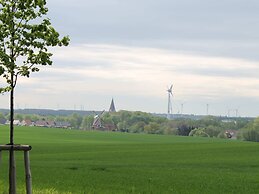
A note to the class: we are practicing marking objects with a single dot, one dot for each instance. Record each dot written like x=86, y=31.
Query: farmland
x=73, y=161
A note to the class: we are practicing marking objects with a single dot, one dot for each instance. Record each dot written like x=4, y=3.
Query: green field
x=71, y=161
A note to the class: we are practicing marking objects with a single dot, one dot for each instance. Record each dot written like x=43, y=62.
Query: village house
x=64, y=125
x=27, y=122
x=2, y=121
x=16, y=122
x=51, y=124
x=41, y=123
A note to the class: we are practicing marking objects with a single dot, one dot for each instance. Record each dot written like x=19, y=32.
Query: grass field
x=77, y=162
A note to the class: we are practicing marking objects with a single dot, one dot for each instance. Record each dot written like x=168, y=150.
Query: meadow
x=82, y=162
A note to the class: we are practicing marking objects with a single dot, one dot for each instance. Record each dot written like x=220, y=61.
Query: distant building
x=51, y=123
x=112, y=107
x=97, y=122
x=2, y=121
x=16, y=122
x=63, y=124
x=41, y=123
x=27, y=122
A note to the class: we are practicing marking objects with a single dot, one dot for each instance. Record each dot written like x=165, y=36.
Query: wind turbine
x=170, y=106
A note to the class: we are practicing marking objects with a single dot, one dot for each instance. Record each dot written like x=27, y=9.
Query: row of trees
x=250, y=132
x=140, y=122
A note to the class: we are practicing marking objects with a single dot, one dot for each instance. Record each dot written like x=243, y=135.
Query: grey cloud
x=191, y=19
x=220, y=28
x=211, y=27
x=217, y=72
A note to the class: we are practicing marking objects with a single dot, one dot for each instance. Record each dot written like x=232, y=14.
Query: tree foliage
x=199, y=132
x=250, y=132
x=25, y=37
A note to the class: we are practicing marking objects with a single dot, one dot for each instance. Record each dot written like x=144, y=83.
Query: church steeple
x=112, y=107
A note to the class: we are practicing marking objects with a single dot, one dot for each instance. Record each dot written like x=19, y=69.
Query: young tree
x=26, y=34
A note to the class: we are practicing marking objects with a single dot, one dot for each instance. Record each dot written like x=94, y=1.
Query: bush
x=170, y=131
x=198, y=133
x=184, y=130
x=251, y=132
x=222, y=135
x=212, y=131
x=152, y=128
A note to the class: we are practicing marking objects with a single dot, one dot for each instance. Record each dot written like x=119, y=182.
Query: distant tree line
x=141, y=122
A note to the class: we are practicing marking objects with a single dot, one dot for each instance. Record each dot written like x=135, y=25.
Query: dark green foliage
x=87, y=122
x=137, y=127
x=212, y=131
x=75, y=120
x=251, y=131
x=184, y=130
x=153, y=128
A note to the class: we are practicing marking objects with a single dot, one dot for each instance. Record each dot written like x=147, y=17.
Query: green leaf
x=26, y=34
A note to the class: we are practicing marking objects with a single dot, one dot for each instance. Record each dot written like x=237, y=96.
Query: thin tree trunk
x=11, y=113
x=12, y=168
x=12, y=173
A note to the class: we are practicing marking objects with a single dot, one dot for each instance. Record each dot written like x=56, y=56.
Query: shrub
x=222, y=135
x=170, y=131
x=212, y=131
x=250, y=132
x=199, y=132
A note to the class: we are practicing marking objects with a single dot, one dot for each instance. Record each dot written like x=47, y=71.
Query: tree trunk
x=12, y=173
x=12, y=170
x=11, y=113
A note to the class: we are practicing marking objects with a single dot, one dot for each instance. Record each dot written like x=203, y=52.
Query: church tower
x=112, y=107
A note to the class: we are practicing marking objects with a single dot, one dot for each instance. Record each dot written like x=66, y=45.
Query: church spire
x=112, y=107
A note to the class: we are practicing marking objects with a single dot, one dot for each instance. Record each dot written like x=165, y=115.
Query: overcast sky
x=132, y=50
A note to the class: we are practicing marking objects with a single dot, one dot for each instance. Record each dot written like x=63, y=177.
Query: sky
x=133, y=50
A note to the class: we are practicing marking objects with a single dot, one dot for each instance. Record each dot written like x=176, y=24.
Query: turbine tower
x=170, y=106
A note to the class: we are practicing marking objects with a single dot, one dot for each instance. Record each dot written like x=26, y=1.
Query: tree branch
x=17, y=53
x=15, y=79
